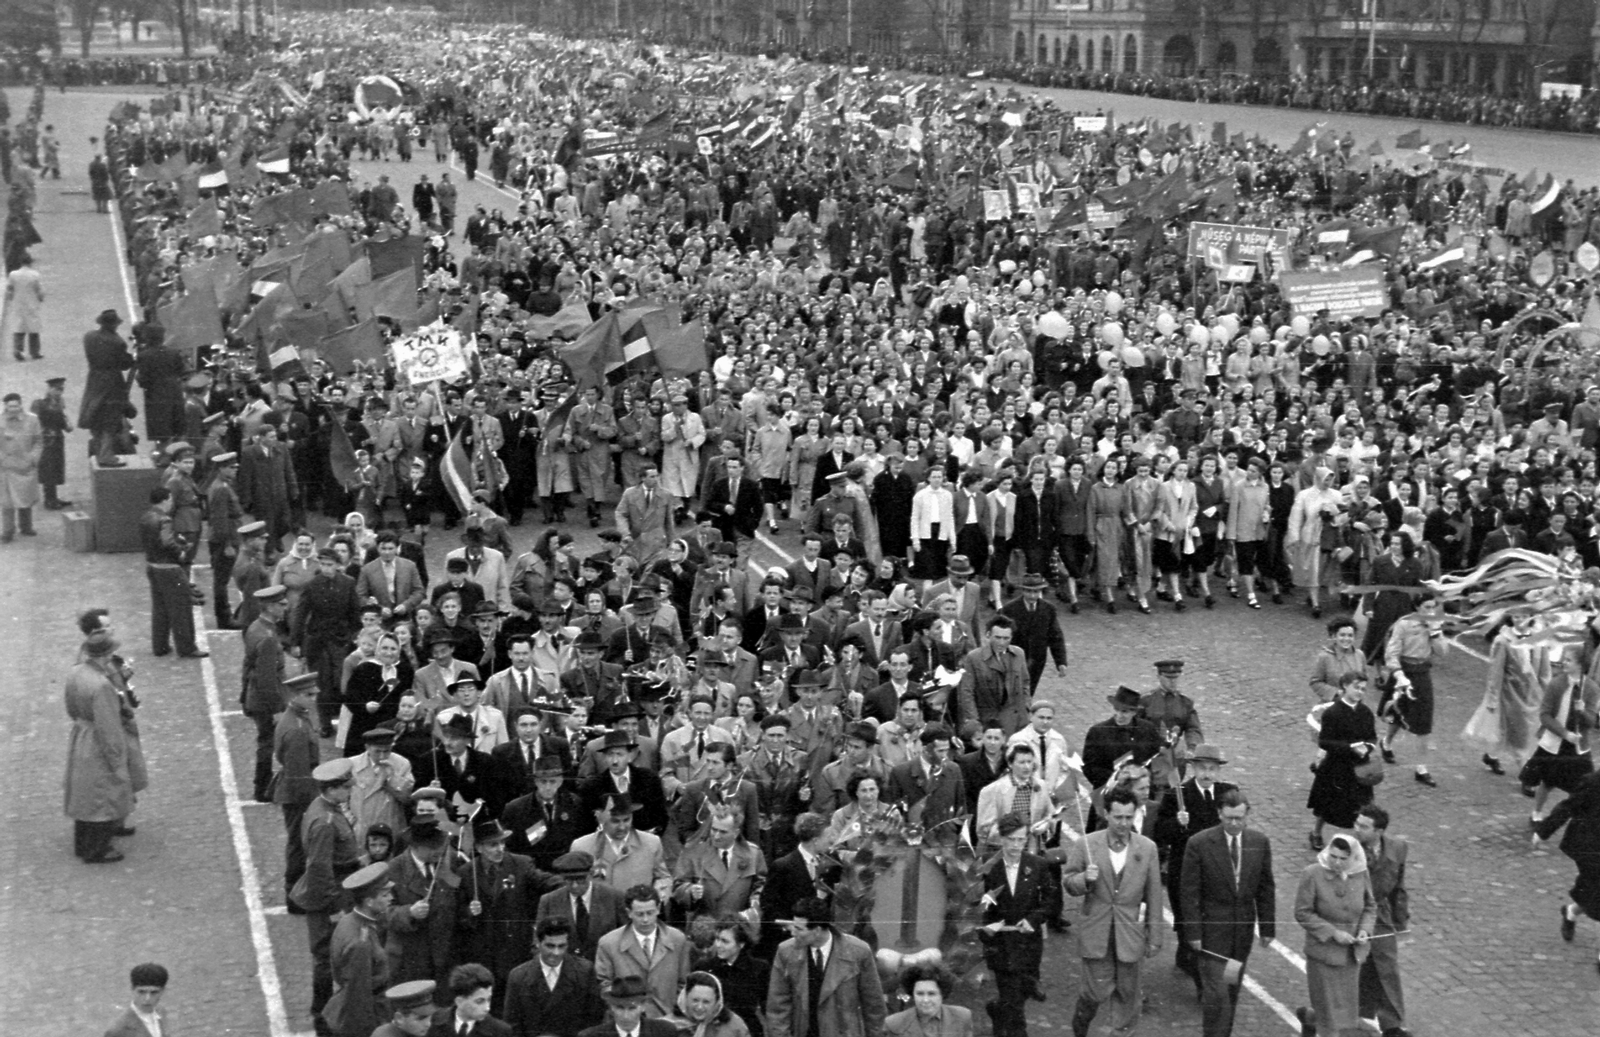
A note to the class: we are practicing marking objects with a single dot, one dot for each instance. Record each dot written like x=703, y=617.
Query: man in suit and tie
x=1228, y=896
x=1186, y=813
x=930, y=787
x=517, y=761
x=459, y=768
x=824, y=983
x=389, y=581
x=721, y=876
x=810, y=570
x=143, y=1017
x=1019, y=899
x=545, y=822
x=790, y=655
x=590, y=909
x=879, y=634
x=644, y=517
x=471, y=988
x=555, y=992
x=624, y=856
x=432, y=682
x=516, y=688
x=764, y=615
x=646, y=950
x=719, y=788
x=629, y=716
x=1037, y=629
x=736, y=503
x=794, y=877
x=1117, y=872
x=1381, y=995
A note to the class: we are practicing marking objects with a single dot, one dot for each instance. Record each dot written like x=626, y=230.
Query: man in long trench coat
x=105, y=762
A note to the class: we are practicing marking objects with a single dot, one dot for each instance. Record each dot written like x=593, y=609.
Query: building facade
x=1508, y=45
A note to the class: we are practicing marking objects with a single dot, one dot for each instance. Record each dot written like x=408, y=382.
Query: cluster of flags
x=634, y=340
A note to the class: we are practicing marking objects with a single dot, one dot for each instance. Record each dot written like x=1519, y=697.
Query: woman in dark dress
x=742, y=975
x=373, y=694
x=1349, y=735
x=1580, y=813
x=1396, y=567
x=892, y=491
x=1211, y=510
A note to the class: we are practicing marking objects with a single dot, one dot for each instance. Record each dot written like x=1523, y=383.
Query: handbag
x=1369, y=772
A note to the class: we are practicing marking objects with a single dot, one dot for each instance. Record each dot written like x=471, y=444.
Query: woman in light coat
x=1335, y=906
x=21, y=447
x=767, y=453
x=1174, y=530
x=1315, y=507
x=1249, y=513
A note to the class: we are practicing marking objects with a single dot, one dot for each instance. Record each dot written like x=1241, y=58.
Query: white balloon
x=1220, y=336
x=1054, y=325
x=1166, y=323
x=1111, y=334
x=1301, y=326
x=1024, y=289
x=1038, y=279
x=1258, y=334
x=1231, y=322
x=1199, y=335
x=1113, y=302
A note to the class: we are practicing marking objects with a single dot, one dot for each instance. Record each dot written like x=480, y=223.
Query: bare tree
x=84, y=13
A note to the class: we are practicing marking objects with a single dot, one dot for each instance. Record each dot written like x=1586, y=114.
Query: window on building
x=1130, y=53
x=1107, y=55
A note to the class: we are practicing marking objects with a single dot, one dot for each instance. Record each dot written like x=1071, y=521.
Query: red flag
x=342, y=457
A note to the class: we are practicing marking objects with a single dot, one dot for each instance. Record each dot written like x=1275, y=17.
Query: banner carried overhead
x=1353, y=292
x=1238, y=243
x=433, y=354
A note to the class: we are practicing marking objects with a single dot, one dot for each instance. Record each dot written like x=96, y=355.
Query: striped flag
x=456, y=471
x=274, y=160
x=1546, y=194
x=212, y=176
x=1453, y=252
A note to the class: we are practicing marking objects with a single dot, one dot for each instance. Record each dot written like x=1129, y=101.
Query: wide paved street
x=200, y=890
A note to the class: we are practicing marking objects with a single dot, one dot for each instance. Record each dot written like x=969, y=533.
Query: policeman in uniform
x=53, y=426
x=187, y=514
x=332, y=855
x=359, y=956
x=1175, y=717
x=171, y=606
x=226, y=514
x=261, y=683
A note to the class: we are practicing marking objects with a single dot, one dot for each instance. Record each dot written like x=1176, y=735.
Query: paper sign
x=996, y=205
x=433, y=354
x=1089, y=123
x=1354, y=292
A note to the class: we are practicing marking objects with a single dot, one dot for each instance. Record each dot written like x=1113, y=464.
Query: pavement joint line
x=250, y=880
x=281, y=909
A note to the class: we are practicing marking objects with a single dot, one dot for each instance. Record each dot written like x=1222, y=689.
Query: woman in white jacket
x=1315, y=507
x=933, y=528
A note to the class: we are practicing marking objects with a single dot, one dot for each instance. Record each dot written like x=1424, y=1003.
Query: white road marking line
x=485, y=181
x=771, y=545
x=1259, y=992
x=281, y=909
x=1289, y=954
x=1480, y=656
x=128, y=295
x=250, y=880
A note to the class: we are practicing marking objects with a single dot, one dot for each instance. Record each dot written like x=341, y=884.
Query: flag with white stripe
x=1453, y=252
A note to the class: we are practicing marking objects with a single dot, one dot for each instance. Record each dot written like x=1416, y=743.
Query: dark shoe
x=1277, y=598
x=198, y=653
x=1111, y=607
x=327, y=731
x=1210, y=601
x=226, y=624
x=1388, y=754
x=1180, y=606
x=1062, y=595
x=262, y=796
x=293, y=908
x=1144, y=607
x=1073, y=608
x=1569, y=927
x=1493, y=764
x=29, y=532
x=1316, y=842
x=1034, y=992
x=1059, y=925
x=109, y=857
x=1529, y=791
x=1424, y=778
x=1396, y=1031
x=1308, y=1022
x=158, y=652
x=6, y=538
x=124, y=831
x=1316, y=612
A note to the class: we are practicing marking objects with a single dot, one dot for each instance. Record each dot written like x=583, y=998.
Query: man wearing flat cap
x=322, y=624
x=590, y=908
x=358, y=957
x=546, y=820
x=332, y=854
x=627, y=1001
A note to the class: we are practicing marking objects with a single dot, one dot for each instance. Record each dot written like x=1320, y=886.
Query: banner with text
x=1238, y=243
x=1357, y=292
x=434, y=353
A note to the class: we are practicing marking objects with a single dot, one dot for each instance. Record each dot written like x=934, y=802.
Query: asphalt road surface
x=200, y=890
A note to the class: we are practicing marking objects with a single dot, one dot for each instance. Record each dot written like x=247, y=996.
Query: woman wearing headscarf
x=1335, y=906
x=701, y=1011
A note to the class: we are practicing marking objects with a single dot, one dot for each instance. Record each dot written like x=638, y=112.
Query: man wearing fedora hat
x=627, y=1001
x=428, y=902
x=994, y=682
x=786, y=659
x=456, y=767
x=814, y=727
x=619, y=773
x=1037, y=629
x=517, y=760
x=1192, y=808
x=488, y=723
x=500, y=887
x=545, y=821
x=593, y=680
x=624, y=855
x=105, y=392
x=432, y=681
x=589, y=908
x=628, y=714
x=960, y=585
x=1125, y=734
